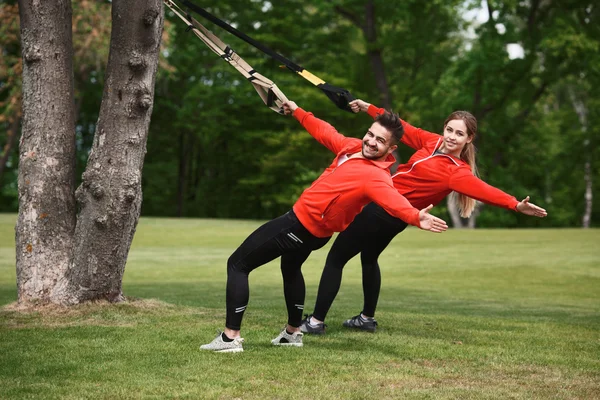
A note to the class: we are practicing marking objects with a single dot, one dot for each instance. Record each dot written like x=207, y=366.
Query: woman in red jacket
x=441, y=165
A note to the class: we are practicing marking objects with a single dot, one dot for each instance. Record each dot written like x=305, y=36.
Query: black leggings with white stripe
x=369, y=234
x=283, y=237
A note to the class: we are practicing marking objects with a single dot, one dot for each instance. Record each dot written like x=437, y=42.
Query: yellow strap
x=315, y=80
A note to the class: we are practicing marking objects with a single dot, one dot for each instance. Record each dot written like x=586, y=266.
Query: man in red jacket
x=358, y=175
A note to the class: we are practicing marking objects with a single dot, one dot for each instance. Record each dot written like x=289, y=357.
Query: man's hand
x=289, y=107
x=430, y=223
x=528, y=208
x=359, y=105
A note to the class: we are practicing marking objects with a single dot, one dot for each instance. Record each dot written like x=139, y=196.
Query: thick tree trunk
x=44, y=231
x=12, y=133
x=110, y=195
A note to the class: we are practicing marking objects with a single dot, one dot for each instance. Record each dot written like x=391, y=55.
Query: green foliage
x=214, y=150
x=492, y=314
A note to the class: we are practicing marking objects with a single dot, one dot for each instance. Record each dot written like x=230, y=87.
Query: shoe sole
x=360, y=329
x=237, y=350
x=229, y=351
x=313, y=333
x=288, y=344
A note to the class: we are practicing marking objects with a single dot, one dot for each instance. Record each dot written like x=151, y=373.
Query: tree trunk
x=454, y=213
x=472, y=220
x=459, y=222
x=369, y=30
x=185, y=147
x=582, y=113
x=12, y=133
x=110, y=195
x=587, y=215
x=374, y=52
x=377, y=64
x=44, y=231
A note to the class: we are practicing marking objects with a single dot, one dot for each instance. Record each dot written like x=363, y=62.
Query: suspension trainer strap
x=341, y=97
x=267, y=90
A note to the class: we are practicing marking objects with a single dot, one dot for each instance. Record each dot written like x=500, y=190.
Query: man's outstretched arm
x=325, y=134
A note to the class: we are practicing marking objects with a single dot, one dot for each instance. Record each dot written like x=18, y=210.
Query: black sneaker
x=358, y=322
x=307, y=327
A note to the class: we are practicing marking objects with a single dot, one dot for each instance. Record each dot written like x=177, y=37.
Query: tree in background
x=72, y=245
x=511, y=96
x=216, y=151
x=91, y=35
x=10, y=98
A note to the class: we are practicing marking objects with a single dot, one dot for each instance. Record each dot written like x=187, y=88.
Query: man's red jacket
x=428, y=176
x=333, y=200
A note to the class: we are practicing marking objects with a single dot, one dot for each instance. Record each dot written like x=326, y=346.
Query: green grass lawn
x=482, y=314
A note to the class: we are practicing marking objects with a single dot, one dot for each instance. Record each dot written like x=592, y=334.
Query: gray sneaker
x=285, y=339
x=307, y=327
x=358, y=322
x=218, y=345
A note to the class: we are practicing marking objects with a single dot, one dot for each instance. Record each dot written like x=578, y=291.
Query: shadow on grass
x=417, y=307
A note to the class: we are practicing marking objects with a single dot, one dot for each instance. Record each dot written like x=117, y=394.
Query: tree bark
x=110, y=195
x=44, y=231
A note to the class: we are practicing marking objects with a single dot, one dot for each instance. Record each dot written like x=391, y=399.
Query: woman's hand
x=528, y=208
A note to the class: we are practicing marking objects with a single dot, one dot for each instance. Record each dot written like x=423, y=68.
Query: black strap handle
x=341, y=97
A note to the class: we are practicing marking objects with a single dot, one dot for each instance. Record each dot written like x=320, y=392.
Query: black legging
x=369, y=234
x=283, y=237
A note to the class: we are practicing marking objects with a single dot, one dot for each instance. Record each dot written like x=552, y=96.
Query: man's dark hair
x=391, y=122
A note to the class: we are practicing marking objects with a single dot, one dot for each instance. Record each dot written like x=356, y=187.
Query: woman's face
x=456, y=137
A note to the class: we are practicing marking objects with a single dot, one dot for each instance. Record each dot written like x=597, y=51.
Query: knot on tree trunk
x=141, y=103
x=137, y=62
x=97, y=190
x=101, y=221
x=89, y=181
x=132, y=185
x=150, y=16
x=130, y=195
x=32, y=54
x=145, y=101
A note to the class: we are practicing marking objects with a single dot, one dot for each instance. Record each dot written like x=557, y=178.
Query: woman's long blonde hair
x=466, y=205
